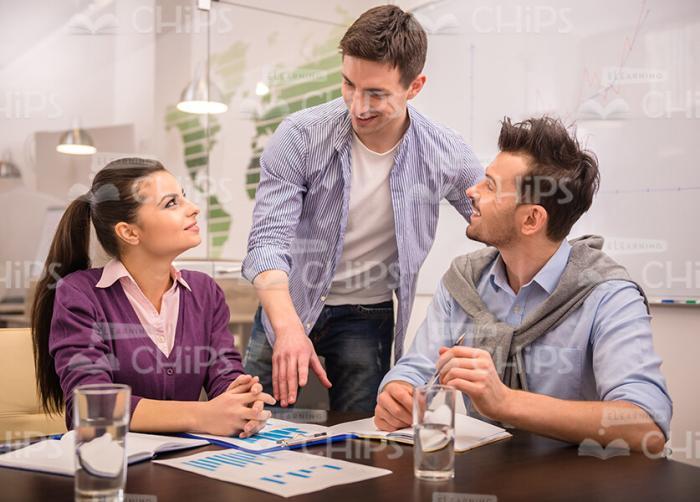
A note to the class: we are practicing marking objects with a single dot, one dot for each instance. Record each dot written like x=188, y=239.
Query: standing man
x=345, y=214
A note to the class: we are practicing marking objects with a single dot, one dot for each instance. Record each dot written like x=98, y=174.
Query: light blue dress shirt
x=602, y=352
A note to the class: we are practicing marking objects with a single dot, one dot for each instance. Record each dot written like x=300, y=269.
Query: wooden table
x=526, y=467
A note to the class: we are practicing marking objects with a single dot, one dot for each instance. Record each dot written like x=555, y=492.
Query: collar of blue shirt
x=547, y=278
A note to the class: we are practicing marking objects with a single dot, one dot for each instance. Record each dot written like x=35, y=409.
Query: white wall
x=677, y=341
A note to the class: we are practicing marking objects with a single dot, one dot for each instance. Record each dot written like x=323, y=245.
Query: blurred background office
x=202, y=85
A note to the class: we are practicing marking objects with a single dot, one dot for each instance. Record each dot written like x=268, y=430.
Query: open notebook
x=57, y=456
x=280, y=434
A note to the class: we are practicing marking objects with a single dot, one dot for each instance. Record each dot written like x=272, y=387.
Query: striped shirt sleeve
x=469, y=173
x=278, y=202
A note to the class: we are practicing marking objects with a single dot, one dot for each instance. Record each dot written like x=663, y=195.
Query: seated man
x=557, y=336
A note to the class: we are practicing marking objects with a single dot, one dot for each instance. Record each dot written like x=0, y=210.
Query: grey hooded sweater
x=588, y=267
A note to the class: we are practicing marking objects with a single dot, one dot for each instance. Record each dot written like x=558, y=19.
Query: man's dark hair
x=387, y=34
x=562, y=177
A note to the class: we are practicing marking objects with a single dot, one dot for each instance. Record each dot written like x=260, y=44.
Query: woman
x=139, y=321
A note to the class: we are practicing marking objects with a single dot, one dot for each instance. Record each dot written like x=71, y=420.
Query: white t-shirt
x=368, y=269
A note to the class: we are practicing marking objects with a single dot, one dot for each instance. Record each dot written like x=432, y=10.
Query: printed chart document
x=57, y=456
x=284, y=473
x=281, y=434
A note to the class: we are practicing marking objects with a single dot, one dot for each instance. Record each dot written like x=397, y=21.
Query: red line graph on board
x=593, y=77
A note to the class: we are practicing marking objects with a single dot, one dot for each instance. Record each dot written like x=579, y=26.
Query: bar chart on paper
x=235, y=459
x=270, y=437
x=275, y=435
x=283, y=473
x=284, y=478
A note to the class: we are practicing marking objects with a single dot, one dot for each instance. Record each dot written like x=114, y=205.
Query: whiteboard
x=631, y=83
x=648, y=204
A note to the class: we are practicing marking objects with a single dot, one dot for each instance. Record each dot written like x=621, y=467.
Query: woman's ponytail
x=70, y=251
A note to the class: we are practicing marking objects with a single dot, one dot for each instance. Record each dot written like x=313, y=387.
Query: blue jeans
x=355, y=341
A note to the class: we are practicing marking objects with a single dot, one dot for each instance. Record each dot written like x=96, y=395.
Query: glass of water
x=434, y=432
x=101, y=420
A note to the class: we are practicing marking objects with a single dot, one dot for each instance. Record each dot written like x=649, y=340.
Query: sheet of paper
x=54, y=456
x=284, y=473
x=270, y=436
x=364, y=428
x=469, y=431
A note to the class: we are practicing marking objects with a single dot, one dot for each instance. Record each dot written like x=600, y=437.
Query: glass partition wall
x=83, y=83
x=199, y=86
